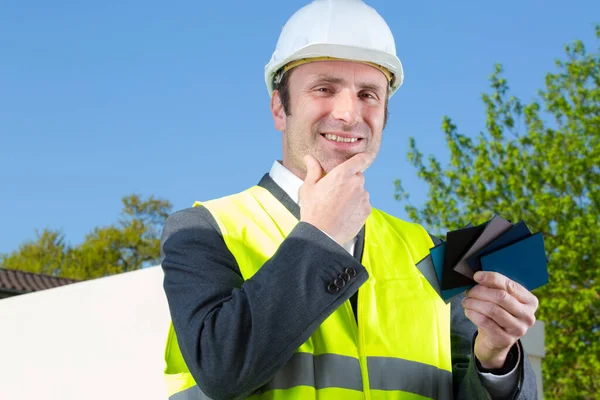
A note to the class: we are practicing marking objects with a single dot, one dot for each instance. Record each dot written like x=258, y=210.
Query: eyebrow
x=336, y=80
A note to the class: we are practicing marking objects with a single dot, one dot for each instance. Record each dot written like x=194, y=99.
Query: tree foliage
x=130, y=244
x=537, y=162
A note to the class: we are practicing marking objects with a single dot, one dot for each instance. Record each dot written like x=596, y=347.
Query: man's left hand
x=503, y=312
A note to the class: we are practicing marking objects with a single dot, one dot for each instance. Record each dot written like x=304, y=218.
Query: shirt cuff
x=501, y=386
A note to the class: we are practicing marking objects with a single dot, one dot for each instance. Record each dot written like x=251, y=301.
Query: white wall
x=100, y=339
x=533, y=343
x=103, y=339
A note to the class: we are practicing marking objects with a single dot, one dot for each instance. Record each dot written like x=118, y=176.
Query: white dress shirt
x=499, y=386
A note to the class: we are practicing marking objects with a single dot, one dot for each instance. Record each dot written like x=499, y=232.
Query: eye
x=369, y=97
x=323, y=91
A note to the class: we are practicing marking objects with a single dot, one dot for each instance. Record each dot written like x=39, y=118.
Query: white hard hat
x=336, y=29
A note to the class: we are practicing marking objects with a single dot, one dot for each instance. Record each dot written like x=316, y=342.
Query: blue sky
x=102, y=99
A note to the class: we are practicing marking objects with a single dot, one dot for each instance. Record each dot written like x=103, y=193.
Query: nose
x=345, y=107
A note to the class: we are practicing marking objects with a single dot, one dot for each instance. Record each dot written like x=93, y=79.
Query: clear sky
x=102, y=99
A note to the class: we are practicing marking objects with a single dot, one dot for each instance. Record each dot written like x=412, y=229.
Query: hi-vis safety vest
x=400, y=347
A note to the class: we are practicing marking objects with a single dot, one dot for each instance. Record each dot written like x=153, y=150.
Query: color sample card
x=517, y=232
x=493, y=229
x=437, y=256
x=524, y=262
x=448, y=295
x=428, y=271
x=496, y=245
x=457, y=244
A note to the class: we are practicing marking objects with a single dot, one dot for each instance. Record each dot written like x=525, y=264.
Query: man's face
x=337, y=110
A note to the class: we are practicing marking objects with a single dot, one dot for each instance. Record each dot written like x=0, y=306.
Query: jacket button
x=351, y=272
x=345, y=276
x=331, y=288
x=339, y=282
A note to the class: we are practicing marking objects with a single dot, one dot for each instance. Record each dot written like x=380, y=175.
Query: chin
x=330, y=163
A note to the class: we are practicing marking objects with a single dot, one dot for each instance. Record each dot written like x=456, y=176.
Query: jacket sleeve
x=234, y=335
x=467, y=382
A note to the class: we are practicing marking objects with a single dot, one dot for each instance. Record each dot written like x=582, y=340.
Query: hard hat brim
x=344, y=52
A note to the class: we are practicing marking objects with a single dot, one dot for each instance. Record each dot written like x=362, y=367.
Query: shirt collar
x=286, y=179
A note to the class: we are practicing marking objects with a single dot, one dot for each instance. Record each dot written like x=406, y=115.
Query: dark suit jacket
x=235, y=334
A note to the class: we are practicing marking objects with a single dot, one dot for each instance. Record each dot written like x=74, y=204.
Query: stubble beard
x=297, y=148
x=328, y=159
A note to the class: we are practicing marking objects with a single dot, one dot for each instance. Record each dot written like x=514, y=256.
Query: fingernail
x=479, y=276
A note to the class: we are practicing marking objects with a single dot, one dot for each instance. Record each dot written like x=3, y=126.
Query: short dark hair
x=283, y=87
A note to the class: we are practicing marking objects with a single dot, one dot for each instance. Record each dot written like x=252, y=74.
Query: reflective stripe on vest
x=334, y=371
x=400, y=348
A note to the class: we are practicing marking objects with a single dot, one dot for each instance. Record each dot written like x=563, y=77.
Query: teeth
x=340, y=139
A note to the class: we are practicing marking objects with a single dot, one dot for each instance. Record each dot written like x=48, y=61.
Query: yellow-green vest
x=400, y=347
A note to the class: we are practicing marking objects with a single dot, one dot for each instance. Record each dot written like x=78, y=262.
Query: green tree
x=130, y=244
x=539, y=162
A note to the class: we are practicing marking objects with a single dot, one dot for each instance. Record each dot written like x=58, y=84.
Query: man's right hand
x=337, y=203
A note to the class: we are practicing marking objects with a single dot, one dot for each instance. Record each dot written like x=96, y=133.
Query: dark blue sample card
x=524, y=262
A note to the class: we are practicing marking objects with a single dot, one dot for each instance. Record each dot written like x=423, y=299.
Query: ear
x=277, y=111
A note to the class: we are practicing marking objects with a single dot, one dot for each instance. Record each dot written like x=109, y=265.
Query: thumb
x=313, y=169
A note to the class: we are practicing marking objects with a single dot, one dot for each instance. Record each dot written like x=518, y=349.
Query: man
x=296, y=288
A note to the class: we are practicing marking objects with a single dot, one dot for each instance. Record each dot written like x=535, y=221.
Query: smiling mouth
x=340, y=139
